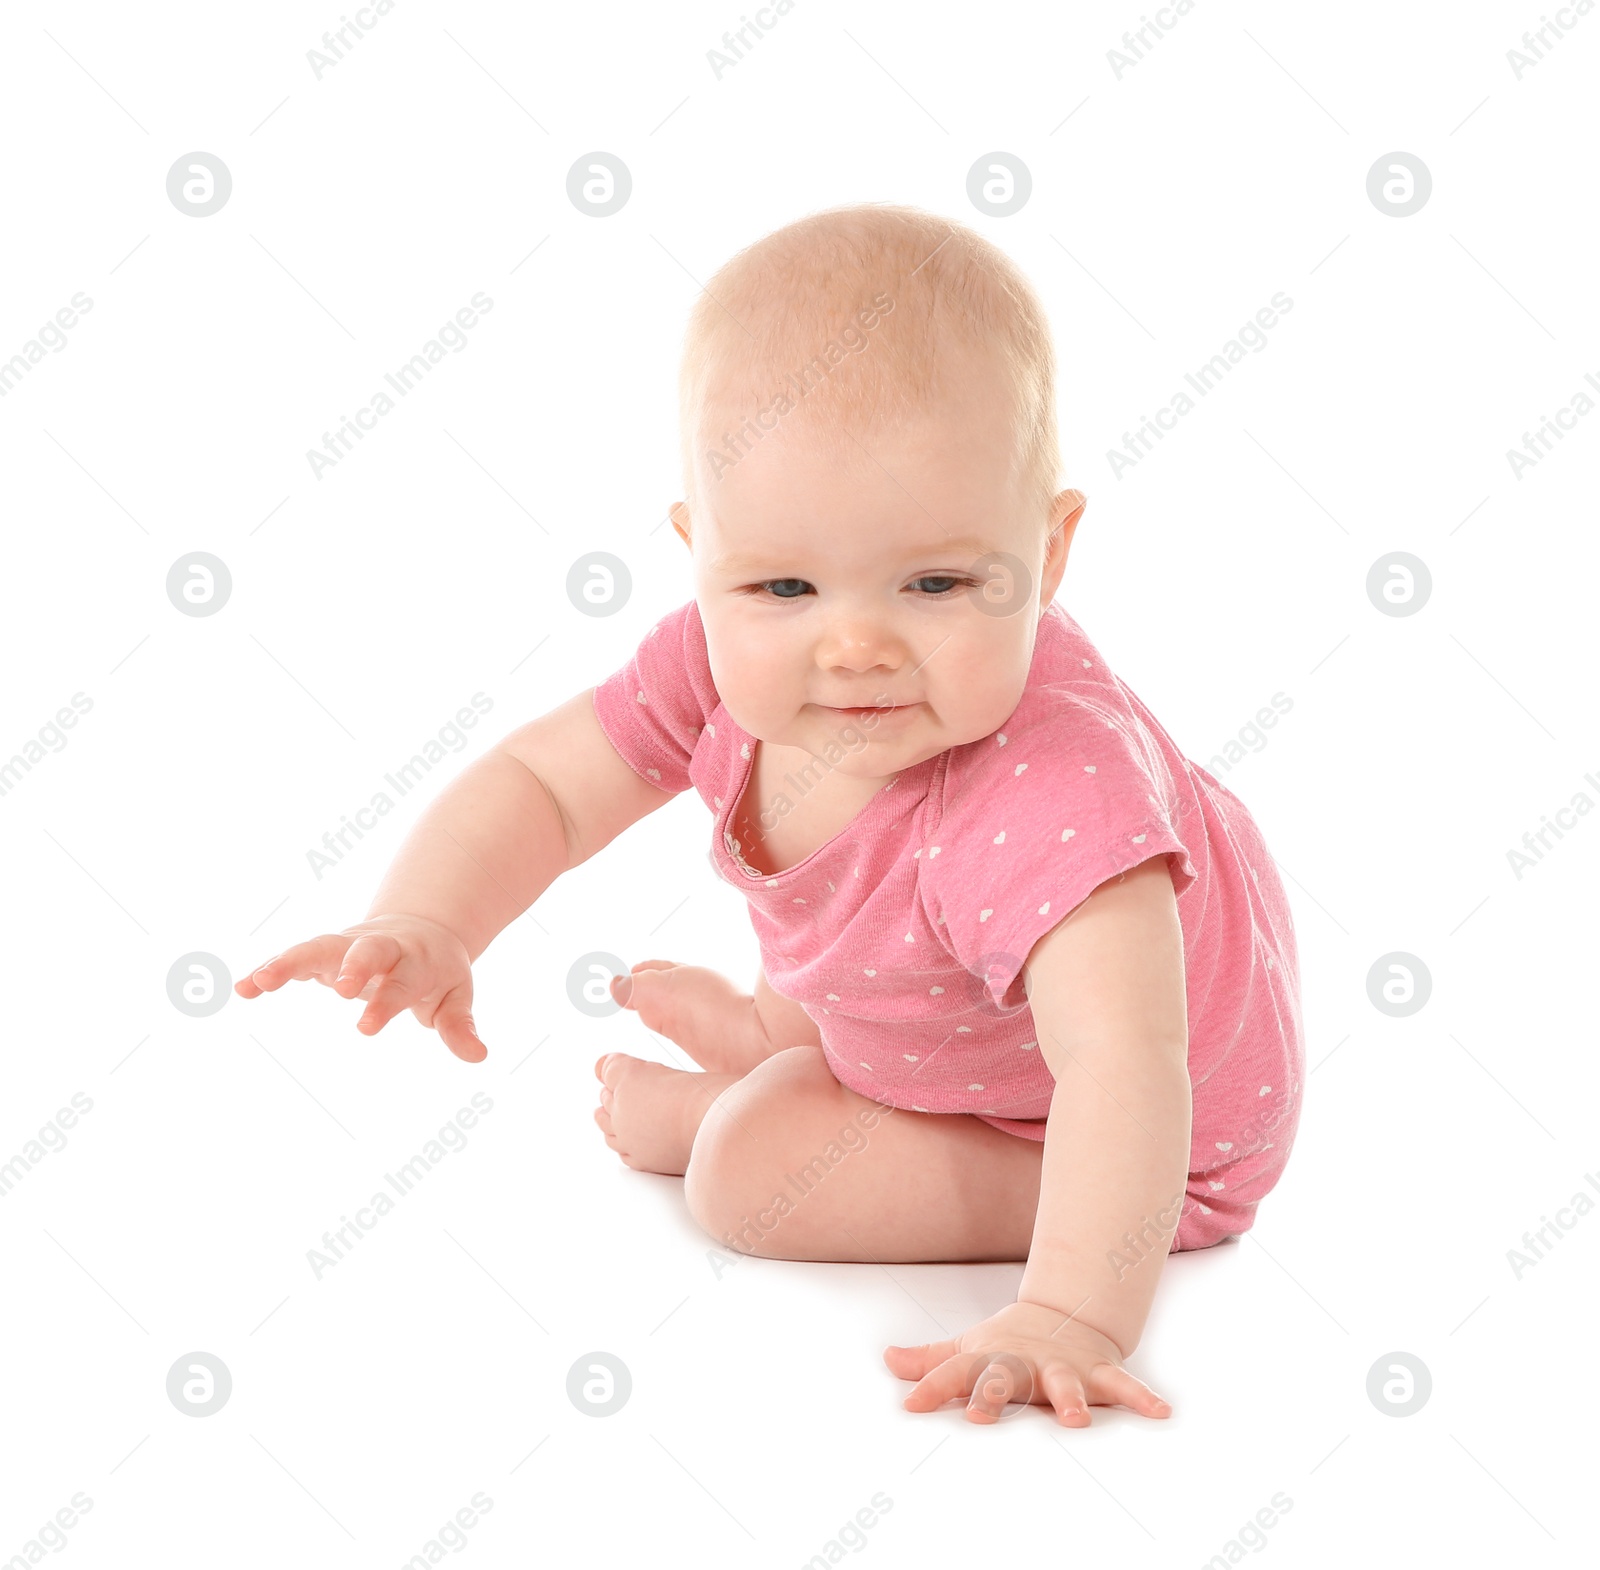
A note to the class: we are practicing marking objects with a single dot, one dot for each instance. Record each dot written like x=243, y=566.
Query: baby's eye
x=940, y=582
x=785, y=588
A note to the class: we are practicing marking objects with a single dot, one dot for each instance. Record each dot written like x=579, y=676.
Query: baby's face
x=849, y=609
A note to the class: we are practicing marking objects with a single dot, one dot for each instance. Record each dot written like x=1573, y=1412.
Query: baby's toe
x=612, y=1067
x=602, y=1118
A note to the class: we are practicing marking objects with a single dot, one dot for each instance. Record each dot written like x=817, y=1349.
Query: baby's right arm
x=539, y=802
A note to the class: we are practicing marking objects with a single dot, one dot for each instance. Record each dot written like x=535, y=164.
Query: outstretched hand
x=1025, y=1353
x=391, y=963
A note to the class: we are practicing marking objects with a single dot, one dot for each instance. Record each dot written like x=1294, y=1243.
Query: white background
x=369, y=605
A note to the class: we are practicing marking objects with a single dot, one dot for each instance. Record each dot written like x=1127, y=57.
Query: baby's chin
x=870, y=744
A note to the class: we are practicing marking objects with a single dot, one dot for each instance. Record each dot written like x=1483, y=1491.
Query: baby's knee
x=735, y=1182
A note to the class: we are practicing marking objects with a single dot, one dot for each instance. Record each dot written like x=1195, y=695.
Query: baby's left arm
x=1108, y=1000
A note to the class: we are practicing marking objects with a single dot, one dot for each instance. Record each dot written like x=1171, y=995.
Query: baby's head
x=870, y=469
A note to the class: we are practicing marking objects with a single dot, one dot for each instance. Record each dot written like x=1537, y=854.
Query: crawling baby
x=1029, y=983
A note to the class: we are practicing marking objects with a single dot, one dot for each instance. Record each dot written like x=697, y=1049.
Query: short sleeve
x=654, y=708
x=1068, y=793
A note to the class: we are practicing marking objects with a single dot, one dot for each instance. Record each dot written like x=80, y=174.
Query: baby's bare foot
x=715, y=1023
x=650, y=1113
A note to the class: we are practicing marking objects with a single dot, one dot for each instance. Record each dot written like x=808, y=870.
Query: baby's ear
x=1067, y=512
x=679, y=513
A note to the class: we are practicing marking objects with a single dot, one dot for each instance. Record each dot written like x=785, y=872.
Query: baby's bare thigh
x=790, y=1164
x=785, y=1022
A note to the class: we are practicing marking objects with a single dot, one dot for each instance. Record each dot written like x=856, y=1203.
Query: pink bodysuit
x=904, y=936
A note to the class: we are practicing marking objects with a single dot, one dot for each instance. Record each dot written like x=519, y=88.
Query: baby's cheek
x=751, y=676
x=978, y=703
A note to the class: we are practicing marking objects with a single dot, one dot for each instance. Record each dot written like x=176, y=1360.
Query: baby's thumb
x=453, y=1021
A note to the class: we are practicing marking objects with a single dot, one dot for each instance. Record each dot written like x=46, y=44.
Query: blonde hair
x=848, y=319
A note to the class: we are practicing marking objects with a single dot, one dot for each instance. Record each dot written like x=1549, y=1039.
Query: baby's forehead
x=835, y=384
x=870, y=499
x=756, y=546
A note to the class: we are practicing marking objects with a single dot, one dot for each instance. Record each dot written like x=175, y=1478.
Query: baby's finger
x=1067, y=1395
x=264, y=978
x=371, y=954
x=953, y=1377
x=999, y=1381
x=303, y=961
x=246, y=987
x=1112, y=1384
x=912, y=1362
x=453, y=1020
x=390, y=997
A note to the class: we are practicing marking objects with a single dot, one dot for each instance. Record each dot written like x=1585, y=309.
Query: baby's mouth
x=867, y=708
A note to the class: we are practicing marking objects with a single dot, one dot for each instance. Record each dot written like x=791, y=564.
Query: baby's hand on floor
x=393, y=962
x=1025, y=1353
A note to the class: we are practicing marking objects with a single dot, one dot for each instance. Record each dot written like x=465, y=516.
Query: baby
x=1029, y=983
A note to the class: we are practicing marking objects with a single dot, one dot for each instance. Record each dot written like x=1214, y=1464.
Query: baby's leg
x=782, y=1165
x=786, y=1023
x=782, y=1162
x=649, y=1112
